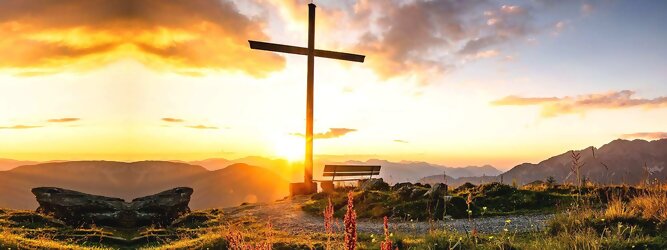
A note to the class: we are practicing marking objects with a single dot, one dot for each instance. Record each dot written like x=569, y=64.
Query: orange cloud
x=190, y=36
x=646, y=135
x=69, y=119
x=332, y=133
x=202, y=127
x=554, y=106
x=516, y=100
x=20, y=127
x=169, y=119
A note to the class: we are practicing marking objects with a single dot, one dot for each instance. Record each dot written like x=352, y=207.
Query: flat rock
x=77, y=208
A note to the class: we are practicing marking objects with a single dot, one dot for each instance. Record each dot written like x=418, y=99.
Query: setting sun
x=289, y=147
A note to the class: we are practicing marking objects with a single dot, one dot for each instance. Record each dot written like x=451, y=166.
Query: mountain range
x=226, y=187
x=618, y=162
x=392, y=172
x=222, y=183
x=217, y=182
x=7, y=164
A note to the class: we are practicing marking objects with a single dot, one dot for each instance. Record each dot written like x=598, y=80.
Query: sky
x=450, y=82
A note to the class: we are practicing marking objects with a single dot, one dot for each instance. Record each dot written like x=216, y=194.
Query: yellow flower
x=508, y=221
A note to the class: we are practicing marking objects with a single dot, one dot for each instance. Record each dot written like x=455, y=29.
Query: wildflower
x=350, y=224
x=328, y=217
x=508, y=221
x=484, y=208
x=386, y=244
x=490, y=237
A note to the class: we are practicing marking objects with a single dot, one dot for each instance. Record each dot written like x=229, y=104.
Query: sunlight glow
x=289, y=147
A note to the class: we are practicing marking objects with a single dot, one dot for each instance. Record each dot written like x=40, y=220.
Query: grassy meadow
x=590, y=217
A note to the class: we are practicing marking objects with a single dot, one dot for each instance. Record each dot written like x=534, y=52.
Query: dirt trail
x=286, y=215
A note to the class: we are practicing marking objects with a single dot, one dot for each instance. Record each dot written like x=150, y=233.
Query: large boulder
x=404, y=192
x=398, y=186
x=76, y=208
x=374, y=184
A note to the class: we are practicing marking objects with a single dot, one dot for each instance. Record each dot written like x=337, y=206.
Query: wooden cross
x=311, y=52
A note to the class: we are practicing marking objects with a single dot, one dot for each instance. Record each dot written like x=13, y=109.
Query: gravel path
x=287, y=215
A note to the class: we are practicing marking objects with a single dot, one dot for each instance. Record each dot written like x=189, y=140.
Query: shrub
x=465, y=187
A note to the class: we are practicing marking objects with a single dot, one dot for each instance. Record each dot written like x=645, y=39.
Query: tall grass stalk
x=350, y=224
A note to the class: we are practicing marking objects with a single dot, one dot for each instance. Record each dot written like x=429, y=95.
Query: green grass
x=624, y=223
x=497, y=198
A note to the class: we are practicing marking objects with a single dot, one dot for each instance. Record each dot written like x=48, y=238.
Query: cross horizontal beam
x=304, y=51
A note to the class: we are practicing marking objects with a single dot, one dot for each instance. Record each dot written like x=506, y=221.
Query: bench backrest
x=351, y=170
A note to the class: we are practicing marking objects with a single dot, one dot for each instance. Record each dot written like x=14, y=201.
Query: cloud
x=587, y=8
x=178, y=35
x=170, y=119
x=202, y=127
x=554, y=106
x=559, y=27
x=332, y=133
x=427, y=37
x=20, y=127
x=400, y=141
x=484, y=54
x=646, y=135
x=517, y=100
x=68, y=119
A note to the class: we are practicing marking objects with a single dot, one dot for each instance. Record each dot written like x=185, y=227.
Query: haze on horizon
x=450, y=82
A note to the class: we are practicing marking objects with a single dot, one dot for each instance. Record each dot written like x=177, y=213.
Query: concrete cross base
x=302, y=188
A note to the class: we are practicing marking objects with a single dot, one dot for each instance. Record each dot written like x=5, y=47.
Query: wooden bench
x=346, y=171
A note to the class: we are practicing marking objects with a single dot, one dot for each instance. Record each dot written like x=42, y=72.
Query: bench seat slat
x=366, y=173
x=350, y=168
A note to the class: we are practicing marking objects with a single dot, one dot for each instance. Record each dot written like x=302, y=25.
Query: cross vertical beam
x=308, y=171
x=307, y=187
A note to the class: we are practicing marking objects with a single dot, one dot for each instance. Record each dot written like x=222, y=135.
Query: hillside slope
x=627, y=162
x=221, y=188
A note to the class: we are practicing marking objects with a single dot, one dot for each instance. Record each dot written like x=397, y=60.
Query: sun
x=291, y=148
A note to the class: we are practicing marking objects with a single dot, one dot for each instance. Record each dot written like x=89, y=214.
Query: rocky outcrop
x=373, y=184
x=76, y=208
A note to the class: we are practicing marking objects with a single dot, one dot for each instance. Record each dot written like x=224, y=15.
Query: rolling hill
x=7, y=164
x=220, y=188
